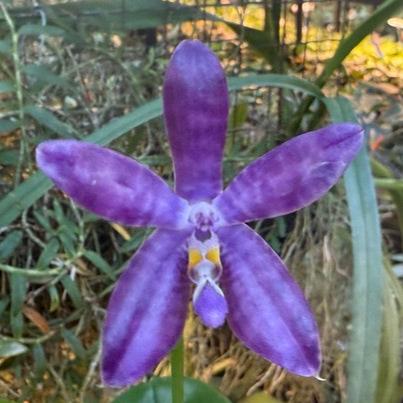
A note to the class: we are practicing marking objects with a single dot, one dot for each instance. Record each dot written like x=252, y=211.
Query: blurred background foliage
x=93, y=70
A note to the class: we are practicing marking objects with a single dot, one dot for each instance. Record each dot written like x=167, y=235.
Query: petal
x=196, y=112
x=292, y=175
x=147, y=309
x=111, y=185
x=211, y=307
x=267, y=309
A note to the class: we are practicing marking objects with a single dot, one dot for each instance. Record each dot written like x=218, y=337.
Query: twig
x=30, y=340
x=90, y=373
x=60, y=382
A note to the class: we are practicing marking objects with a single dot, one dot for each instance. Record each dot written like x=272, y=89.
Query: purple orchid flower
x=201, y=237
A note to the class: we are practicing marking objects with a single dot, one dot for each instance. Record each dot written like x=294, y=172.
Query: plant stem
x=177, y=372
x=19, y=87
x=31, y=272
x=390, y=184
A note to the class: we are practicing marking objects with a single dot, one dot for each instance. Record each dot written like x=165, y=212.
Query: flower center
x=204, y=270
x=204, y=216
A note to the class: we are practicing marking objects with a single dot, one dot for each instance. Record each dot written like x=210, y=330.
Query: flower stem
x=177, y=372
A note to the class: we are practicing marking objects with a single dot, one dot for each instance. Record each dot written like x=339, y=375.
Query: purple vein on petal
x=147, y=309
x=267, y=310
x=111, y=185
x=196, y=113
x=292, y=175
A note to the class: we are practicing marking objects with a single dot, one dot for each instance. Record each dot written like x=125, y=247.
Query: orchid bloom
x=201, y=237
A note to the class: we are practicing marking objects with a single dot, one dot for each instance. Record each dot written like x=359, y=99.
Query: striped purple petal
x=147, y=310
x=111, y=185
x=267, y=310
x=196, y=111
x=292, y=175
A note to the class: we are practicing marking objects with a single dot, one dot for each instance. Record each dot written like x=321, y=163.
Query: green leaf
x=388, y=376
x=72, y=290
x=158, y=390
x=44, y=221
x=59, y=215
x=100, y=263
x=5, y=47
x=101, y=14
x=6, y=86
x=18, y=285
x=68, y=242
x=107, y=16
x=49, y=120
x=275, y=80
x=8, y=125
x=39, y=357
x=48, y=253
x=74, y=343
x=9, y=244
x=54, y=298
x=27, y=193
x=4, y=304
x=44, y=76
x=9, y=157
x=114, y=129
x=37, y=30
x=11, y=348
x=364, y=359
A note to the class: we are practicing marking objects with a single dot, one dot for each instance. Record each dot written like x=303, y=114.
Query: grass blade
x=364, y=358
x=49, y=120
x=108, y=15
x=275, y=80
x=388, y=381
x=16, y=201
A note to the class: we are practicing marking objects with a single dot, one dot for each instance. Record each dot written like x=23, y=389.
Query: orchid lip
x=205, y=270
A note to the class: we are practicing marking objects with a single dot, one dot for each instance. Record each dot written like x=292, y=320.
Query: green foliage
x=389, y=366
x=107, y=16
x=158, y=390
x=368, y=283
x=9, y=244
x=11, y=349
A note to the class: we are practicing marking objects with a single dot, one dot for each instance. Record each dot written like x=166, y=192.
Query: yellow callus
x=214, y=256
x=194, y=257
